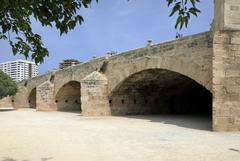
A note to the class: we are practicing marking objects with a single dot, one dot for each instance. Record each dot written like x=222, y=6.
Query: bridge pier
x=21, y=98
x=45, y=97
x=226, y=66
x=226, y=81
x=94, y=95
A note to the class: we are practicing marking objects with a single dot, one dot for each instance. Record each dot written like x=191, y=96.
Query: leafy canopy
x=15, y=19
x=8, y=87
x=184, y=8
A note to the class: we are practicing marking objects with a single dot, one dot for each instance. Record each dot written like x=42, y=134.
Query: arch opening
x=32, y=98
x=160, y=91
x=68, y=97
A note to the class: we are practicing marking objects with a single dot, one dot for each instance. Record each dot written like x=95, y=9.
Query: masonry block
x=6, y=102
x=227, y=15
x=45, y=97
x=21, y=98
x=94, y=95
x=226, y=78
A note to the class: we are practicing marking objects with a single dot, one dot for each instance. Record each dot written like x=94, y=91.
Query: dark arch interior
x=68, y=97
x=32, y=99
x=159, y=91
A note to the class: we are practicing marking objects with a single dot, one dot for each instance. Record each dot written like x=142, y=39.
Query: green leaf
x=178, y=21
x=176, y=8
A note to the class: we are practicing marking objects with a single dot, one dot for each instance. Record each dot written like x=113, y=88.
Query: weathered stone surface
x=226, y=78
x=227, y=14
x=45, y=97
x=94, y=95
x=21, y=98
x=6, y=102
x=159, y=91
x=68, y=97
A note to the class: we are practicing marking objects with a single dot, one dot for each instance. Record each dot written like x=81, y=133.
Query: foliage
x=8, y=87
x=184, y=8
x=16, y=15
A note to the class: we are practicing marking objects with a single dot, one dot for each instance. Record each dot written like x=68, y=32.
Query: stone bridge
x=199, y=74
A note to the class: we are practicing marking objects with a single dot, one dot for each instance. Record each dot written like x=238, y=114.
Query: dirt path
x=26, y=135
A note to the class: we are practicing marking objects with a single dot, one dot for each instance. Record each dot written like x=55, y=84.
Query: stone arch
x=68, y=97
x=160, y=91
x=32, y=98
x=199, y=71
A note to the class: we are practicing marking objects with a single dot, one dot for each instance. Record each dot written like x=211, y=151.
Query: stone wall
x=227, y=13
x=45, y=97
x=21, y=98
x=75, y=73
x=226, y=81
x=6, y=102
x=190, y=56
x=94, y=95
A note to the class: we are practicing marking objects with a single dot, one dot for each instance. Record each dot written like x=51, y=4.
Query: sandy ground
x=26, y=135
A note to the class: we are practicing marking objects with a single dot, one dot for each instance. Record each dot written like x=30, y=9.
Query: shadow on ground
x=7, y=109
x=76, y=112
x=41, y=159
x=197, y=122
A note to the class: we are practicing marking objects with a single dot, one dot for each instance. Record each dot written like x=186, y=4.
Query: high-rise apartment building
x=19, y=69
x=68, y=62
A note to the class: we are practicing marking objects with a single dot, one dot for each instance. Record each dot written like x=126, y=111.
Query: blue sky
x=113, y=25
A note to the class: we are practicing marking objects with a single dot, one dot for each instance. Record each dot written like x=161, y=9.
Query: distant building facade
x=68, y=62
x=19, y=69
